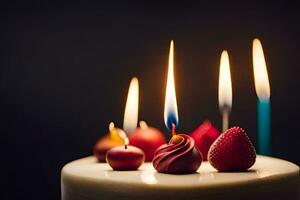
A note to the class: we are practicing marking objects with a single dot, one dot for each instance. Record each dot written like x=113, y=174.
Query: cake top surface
x=265, y=169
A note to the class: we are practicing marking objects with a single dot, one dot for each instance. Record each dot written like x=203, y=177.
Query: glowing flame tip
x=225, y=86
x=170, y=111
x=131, y=109
x=261, y=79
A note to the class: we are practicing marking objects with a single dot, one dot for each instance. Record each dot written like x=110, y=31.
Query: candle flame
x=261, y=79
x=225, y=87
x=170, y=111
x=111, y=126
x=131, y=109
x=143, y=125
x=116, y=134
x=126, y=141
x=123, y=135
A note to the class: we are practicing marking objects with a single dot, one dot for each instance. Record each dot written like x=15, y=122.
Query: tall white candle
x=225, y=90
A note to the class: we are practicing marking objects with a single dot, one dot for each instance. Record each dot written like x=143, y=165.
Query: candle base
x=264, y=133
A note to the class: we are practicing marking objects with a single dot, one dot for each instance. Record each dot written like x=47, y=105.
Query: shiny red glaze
x=148, y=139
x=122, y=159
x=204, y=136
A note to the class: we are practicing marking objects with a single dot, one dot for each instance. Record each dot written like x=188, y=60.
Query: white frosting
x=87, y=179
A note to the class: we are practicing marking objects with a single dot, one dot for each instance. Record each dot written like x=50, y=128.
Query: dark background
x=65, y=71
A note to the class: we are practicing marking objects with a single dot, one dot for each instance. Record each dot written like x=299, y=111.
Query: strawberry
x=232, y=151
x=204, y=136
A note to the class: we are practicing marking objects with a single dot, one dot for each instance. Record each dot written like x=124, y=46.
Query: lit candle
x=113, y=138
x=225, y=90
x=146, y=138
x=128, y=157
x=262, y=88
x=179, y=156
x=125, y=157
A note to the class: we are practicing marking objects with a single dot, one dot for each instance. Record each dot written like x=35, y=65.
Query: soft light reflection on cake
x=148, y=177
x=263, y=174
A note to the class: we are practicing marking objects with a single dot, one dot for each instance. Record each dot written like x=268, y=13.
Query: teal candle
x=262, y=88
x=264, y=132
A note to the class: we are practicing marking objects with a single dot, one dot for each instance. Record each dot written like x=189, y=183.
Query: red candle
x=125, y=158
x=179, y=156
x=148, y=139
x=204, y=136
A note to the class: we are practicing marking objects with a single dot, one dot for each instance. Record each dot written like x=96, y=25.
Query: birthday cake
x=202, y=165
x=235, y=172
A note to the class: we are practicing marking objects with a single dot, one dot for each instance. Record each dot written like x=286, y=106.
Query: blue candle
x=262, y=88
x=263, y=123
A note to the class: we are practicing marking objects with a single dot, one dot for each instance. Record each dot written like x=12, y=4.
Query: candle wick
x=125, y=146
x=173, y=129
x=225, y=120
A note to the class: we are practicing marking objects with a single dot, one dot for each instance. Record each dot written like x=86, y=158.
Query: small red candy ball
x=124, y=158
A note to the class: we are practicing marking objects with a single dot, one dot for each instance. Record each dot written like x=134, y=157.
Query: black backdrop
x=65, y=71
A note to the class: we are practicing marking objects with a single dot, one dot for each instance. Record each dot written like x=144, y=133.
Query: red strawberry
x=232, y=151
x=204, y=136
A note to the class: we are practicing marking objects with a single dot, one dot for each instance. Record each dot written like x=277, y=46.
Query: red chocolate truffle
x=125, y=158
x=179, y=156
x=204, y=137
x=148, y=139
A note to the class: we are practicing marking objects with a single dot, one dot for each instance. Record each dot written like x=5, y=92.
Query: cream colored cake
x=269, y=178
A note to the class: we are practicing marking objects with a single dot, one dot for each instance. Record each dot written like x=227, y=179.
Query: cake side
x=87, y=179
